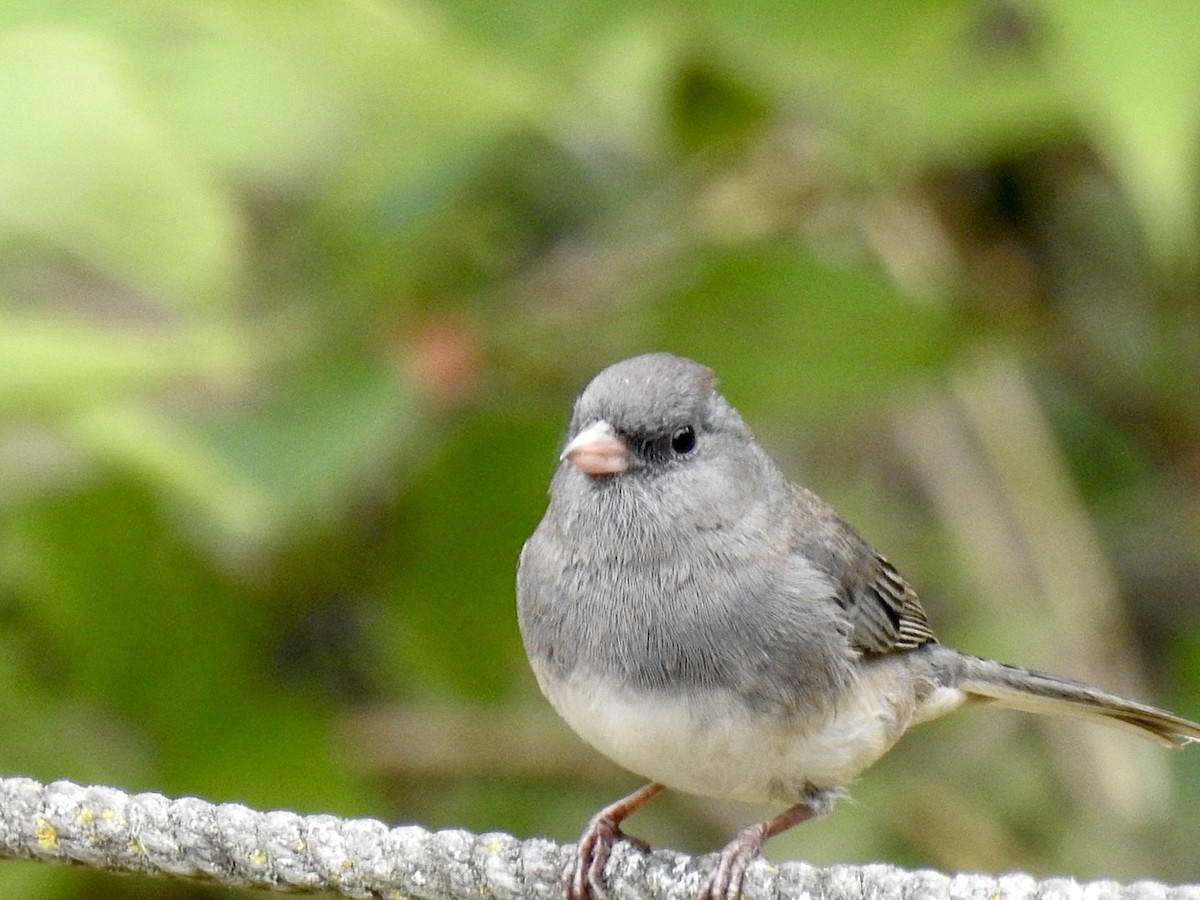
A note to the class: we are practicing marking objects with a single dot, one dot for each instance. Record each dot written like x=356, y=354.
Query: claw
x=725, y=881
x=583, y=878
x=584, y=875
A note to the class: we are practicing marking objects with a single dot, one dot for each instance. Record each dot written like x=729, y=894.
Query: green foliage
x=294, y=298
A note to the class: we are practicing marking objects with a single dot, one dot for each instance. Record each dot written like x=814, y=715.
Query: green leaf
x=53, y=365
x=136, y=627
x=85, y=171
x=789, y=333
x=411, y=89
x=1133, y=71
x=455, y=554
x=289, y=465
x=904, y=80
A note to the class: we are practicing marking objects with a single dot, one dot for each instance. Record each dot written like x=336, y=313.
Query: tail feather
x=1038, y=692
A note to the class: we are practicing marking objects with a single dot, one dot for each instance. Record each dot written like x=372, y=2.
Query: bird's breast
x=714, y=744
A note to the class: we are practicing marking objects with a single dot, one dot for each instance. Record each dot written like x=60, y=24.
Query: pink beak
x=597, y=450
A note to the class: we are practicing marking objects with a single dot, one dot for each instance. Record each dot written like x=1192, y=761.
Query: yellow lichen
x=109, y=815
x=46, y=834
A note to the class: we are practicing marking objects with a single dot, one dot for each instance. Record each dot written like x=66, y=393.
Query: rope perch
x=230, y=844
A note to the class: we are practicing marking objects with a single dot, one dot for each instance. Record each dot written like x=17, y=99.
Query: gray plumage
x=716, y=628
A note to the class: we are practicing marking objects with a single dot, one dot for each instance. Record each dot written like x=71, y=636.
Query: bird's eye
x=683, y=441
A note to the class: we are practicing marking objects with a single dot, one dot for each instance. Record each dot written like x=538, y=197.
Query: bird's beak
x=598, y=450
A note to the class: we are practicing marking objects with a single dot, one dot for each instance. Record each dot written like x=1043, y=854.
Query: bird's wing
x=883, y=613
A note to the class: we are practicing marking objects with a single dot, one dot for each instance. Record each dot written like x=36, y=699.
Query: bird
x=720, y=630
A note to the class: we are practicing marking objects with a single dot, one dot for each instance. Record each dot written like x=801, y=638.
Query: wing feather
x=883, y=612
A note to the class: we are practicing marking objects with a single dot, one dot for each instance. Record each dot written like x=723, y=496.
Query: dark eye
x=683, y=441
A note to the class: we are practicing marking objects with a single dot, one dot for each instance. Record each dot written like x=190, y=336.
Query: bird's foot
x=725, y=881
x=584, y=875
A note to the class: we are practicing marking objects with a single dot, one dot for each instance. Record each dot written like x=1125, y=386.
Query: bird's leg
x=584, y=874
x=725, y=881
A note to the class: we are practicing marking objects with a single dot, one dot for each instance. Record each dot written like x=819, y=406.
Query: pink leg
x=725, y=882
x=585, y=874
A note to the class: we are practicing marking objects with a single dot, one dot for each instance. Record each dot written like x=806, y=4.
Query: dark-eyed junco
x=717, y=629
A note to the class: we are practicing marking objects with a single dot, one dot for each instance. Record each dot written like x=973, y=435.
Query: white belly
x=716, y=747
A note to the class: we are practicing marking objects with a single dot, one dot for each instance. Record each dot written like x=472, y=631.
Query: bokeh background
x=294, y=298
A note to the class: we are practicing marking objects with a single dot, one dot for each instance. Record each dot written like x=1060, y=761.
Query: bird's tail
x=1037, y=692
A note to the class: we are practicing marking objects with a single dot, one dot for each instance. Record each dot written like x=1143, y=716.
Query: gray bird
x=711, y=626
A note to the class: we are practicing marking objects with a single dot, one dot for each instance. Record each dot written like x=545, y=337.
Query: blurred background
x=295, y=297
